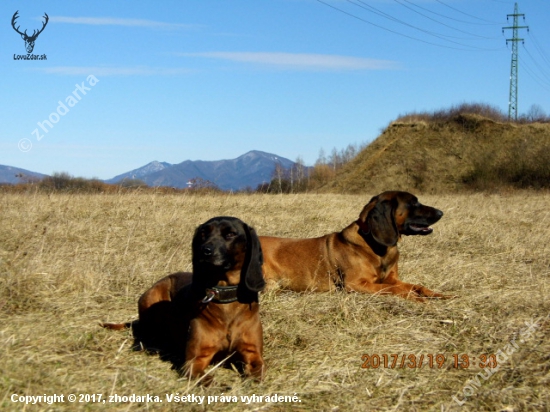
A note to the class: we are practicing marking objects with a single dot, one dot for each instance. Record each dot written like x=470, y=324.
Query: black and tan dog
x=214, y=312
x=363, y=257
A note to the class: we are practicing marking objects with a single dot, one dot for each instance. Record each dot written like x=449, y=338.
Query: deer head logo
x=29, y=40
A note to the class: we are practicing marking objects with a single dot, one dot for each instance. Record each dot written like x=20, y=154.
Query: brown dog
x=362, y=257
x=213, y=312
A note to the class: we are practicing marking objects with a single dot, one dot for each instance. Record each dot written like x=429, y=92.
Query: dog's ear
x=252, y=269
x=381, y=224
x=195, y=247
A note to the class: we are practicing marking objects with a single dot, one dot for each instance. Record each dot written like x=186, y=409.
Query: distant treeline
x=301, y=178
x=63, y=182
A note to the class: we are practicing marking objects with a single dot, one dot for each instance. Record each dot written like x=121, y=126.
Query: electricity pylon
x=513, y=100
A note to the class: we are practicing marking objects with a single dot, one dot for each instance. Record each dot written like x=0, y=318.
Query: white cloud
x=113, y=71
x=301, y=61
x=110, y=21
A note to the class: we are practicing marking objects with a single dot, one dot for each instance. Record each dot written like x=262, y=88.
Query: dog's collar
x=220, y=294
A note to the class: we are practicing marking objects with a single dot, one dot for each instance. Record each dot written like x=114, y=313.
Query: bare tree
x=536, y=113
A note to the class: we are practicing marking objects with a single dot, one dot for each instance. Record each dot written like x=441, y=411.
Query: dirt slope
x=444, y=156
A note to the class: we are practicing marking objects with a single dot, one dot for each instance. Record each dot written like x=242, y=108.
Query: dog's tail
x=116, y=326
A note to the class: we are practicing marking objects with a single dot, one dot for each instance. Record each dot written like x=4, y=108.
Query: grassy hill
x=448, y=153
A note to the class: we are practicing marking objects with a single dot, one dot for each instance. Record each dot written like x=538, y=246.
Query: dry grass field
x=68, y=262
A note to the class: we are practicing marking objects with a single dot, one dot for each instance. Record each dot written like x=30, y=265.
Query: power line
x=536, y=64
x=534, y=75
x=374, y=10
x=539, y=48
x=384, y=28
x=464, y=47
x=448, y=17
x=439, y=22
x=466, y=14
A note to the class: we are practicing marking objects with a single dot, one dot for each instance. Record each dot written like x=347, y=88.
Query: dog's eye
x=230, y=235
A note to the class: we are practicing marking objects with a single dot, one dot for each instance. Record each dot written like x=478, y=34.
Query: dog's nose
x=439, y=213
x=207, y=250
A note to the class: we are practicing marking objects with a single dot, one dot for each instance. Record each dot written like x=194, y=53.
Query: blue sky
x=209, y=80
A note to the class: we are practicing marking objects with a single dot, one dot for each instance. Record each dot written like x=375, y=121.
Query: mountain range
x=246, y=171
x=13, y=175
x=249, y=170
